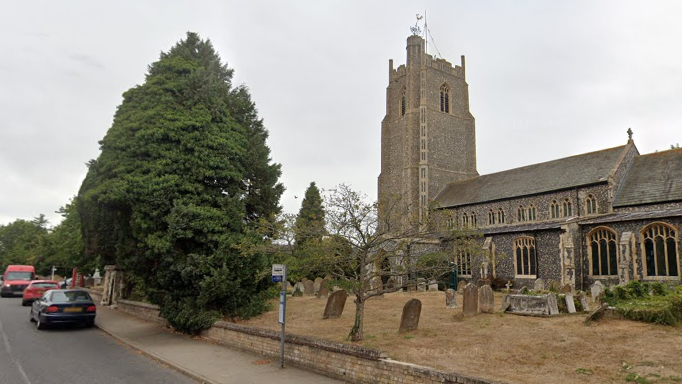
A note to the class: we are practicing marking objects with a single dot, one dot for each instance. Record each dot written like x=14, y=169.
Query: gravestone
x=303, y=280
x=298, y=290
x=566, y=289
x=309, y=288
x=596, y=290
x=570, y=305
x=376, y=284
x=390, y=284
x=597, y=314
x=553, y=286
x=486, y=299
x=539, y=285
x=524, y=290
x=450, y=298
x=461, y=285
x=316, y=285
x=335, y=304
x=323, y=293
x=433, y=285
x=421, y=285
x=583, y=302
x=411, y=286
x=409, y=321
x=470, y=300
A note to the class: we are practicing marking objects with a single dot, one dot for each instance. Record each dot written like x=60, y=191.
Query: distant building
x=612, y=215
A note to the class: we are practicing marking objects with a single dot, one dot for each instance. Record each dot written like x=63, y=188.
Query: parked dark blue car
x=64, y=306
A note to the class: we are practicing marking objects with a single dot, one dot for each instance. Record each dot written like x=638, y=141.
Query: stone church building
x=613, y=215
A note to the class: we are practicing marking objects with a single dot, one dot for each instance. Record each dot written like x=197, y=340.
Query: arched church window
x=532, y=213
x=603, y=252
x=525, y=257
x=660, y=243
x=567, y=210
x=444, y=98
x=473, y=219
x=465, y=220
x=591, y=205
x=500, y=216
x=520, y=214
x=402, y=103
x=463, y=261
x=491, y=217
x=554, y=209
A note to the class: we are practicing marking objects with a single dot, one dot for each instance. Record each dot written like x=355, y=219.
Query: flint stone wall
x=350, y=363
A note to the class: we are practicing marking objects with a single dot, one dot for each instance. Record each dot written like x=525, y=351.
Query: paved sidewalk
x=197, y=358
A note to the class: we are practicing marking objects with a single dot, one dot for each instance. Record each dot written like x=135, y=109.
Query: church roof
x=653, y=178
x=569, y=172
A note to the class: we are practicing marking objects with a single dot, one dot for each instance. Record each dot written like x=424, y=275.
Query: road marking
x=8, y=347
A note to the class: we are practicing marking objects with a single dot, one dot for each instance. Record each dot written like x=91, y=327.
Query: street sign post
x=279, y=274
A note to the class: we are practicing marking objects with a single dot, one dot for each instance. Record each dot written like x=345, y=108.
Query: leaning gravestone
x=570, y=305
x=335, y=304
x=596, y=290
x=421, y=285
x=410, y=318
x=461, y=285
x=470, y=300
x=486, y=299
x=450, y=298
x=539, y=285
x=316, y=285
x=309, y=287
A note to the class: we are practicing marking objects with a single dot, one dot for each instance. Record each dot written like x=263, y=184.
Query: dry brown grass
x=514, y=349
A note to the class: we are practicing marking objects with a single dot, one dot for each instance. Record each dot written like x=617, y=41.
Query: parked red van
x=16, y=279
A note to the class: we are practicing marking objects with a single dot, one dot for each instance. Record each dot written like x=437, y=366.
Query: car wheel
x=30, y=317
x=39, y=324
x=24, y=303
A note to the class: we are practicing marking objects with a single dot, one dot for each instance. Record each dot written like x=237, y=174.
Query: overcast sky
x=546, y=80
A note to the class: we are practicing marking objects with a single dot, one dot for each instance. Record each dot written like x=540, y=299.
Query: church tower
x=428, y=136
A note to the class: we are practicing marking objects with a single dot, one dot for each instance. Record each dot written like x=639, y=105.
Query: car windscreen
x=45, y=285
x=27, y=276
x=69, y=297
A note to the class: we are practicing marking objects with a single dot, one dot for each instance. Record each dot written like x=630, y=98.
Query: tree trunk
x=356, y=333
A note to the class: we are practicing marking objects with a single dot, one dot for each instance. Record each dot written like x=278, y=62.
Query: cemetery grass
x=508, y=348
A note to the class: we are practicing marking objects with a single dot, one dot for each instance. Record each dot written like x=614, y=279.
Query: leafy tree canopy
x=183, y=173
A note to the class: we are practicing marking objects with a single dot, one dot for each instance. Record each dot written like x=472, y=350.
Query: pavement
x=197, y=358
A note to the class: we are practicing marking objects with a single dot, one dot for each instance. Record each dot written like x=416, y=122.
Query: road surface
x=70, y=355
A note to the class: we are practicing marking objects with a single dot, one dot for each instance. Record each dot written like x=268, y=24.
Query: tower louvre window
x=445, y=98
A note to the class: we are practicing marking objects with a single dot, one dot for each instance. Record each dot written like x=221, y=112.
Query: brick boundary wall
x=350, y=363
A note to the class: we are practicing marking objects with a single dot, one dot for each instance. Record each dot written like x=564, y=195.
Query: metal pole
x=283, y=304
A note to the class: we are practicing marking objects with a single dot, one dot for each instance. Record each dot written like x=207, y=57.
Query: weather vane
x=416, y=30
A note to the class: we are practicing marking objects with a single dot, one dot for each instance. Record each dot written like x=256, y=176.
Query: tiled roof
x=569, y=172
x=653, y=178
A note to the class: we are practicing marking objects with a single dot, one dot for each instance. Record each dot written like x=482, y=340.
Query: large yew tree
x=183, y=172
